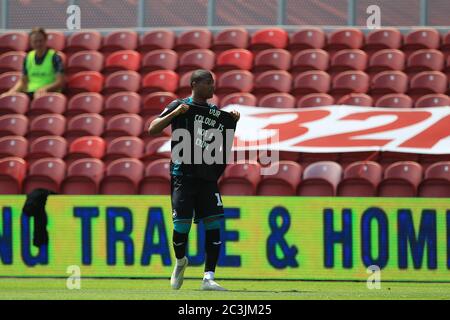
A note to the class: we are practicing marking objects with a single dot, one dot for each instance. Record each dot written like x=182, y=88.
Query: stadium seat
x=234, y=59
x=13, y=41
x=395, y=100
x=167, y=132
x=425, y=38
x=385, y=60
x=122, y=60
x=85, y=81
x=349, y=82
x=315, y=100
x=12, y=61
x=155, y=103
x=314, y=81
x=401, y=179
x=162, y=59
x=124, y=147
x=86, y=147
x=16, y=103
x=86, y=124
x=12, y=173
x=196, y=59
x=348, y=59
x=56, y=40
x=121, y=102
x=348, y=38
x=184, y=86
x=8, y=80
x=51, y=102
x=269, y=38
x=309, y=59
x=381, y=39
x=13, y=125
x=234, y=38
x=193, y=39
x=151, y=150
x=427, y=82
x=156, y=179
x=122, y=177
x=122, y=81
x=307, y=38
x=159, y=80
x=433, y=100
x=348, y=158
x=46, y=173
x=284, y=182
x=272, y=81
x=82, y=41
x=83, y=177
x=119, y=40
x=234, y=81
x=447, y=68
x=307, y=158
x=240, y=179
x=272, y=59
x=242, y=98
x=277, y=100
x=46, y=125
x=87, y=102
x=387, y=158
x=425, y=60
x=85, y=61
x=13, y=146
x=320, y=179
x=387, y=82
x=356, y=99
x=360, y=180
x=127, y=124
x=156, y=39
x=47, y=147
x=436, y=183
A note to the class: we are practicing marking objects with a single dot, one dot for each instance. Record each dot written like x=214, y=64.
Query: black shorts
x=195, y=198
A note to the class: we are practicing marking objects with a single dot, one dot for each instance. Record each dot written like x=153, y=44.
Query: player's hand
x=39, y=93
x=182, y=108
x=236, y=115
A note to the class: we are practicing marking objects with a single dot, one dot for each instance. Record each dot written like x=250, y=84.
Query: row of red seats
x=201, y=38
x=130, y=176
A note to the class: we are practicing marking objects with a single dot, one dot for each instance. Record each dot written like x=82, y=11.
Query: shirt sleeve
x=170, y=107
x=58, y=64
x=25, y=70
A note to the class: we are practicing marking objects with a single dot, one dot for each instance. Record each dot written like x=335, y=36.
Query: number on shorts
x=219, y=201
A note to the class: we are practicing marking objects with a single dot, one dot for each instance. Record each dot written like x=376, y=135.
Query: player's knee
x=182, y=226
x=212, y=224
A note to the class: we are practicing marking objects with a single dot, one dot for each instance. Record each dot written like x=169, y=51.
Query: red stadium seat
x=13, y=41
x=307, y=38
x=83, y=177
x=156, y=39
x=284, y=181
x=425, y=38
x=315, y=100
x=46, y=125
x=155, y=103
x=167, y=132
x=272, y=81
x=447, y=69
x=395, y=100
x=425, y=60
x=356, y=99
x=314, y=81
x=85, y=61
x=47, y=173
x=13, y=125
x=123, y=125
x=388, y=82
x=427, y=82
x=349, y=82
x=56, y=40
x=269, y=38
x=13, y=146
x=156, y=180
x=86, y=124
x=433, y=100
x=385, y=38
x=277, y=100
x=121, y=102
x=234, y=59
x=8, y=80
x=235, y=38
x=401, y=179
x=163, y=59
x=310, y=59
x=47, y=147
x=272, y=59
x=193, y=39
x=122, y=60
x=82, y=41
x=120, y=40
x=196, y=59
x=436, y=183
x=320, y=179
x=151, y=152
x=122, y=177
x=385, y=60
x=240, y=179
x=87, y=102
x=51, y=102
x=360, y=180
x=122, y=81
x=445, y=47
x=347, y=158
x=387, y=158
x=348, y=59
x=124, y=147
x=160, y=80
x=85, y=81
x=12, y=61
x=86, y=147
x=242, y=98
x=349, y=38
x=234, y=81
x=12, y=173
x=16, y=103
x=184, y=86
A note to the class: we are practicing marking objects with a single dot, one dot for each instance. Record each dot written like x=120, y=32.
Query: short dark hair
x=199, y=75
x=38, y=30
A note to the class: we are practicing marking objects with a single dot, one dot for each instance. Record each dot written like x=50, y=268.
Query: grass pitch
x=146, y=289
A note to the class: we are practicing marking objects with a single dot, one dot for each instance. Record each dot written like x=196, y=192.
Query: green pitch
x=111, y=289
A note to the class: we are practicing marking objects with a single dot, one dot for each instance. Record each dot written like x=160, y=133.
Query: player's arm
x=159, y=124
x=20, y=86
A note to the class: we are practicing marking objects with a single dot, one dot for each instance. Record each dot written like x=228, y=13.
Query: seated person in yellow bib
x=43, y=69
